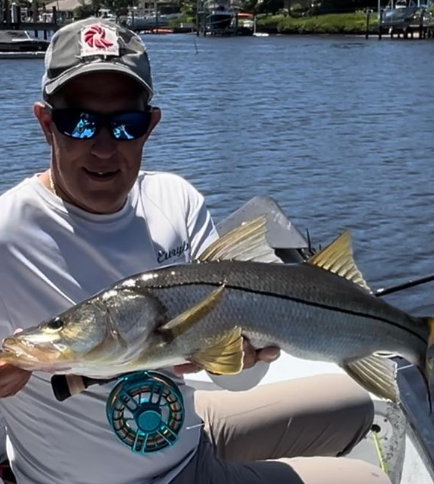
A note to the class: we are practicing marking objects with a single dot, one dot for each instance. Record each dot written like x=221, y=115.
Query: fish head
x=66, y=338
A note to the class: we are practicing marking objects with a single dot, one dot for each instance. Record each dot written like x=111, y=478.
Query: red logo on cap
x=95, y=36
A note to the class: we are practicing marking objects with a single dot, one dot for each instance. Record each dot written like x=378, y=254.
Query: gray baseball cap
x=95, y=45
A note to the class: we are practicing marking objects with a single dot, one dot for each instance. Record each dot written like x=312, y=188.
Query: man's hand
x=12, y=380
x=251, y=357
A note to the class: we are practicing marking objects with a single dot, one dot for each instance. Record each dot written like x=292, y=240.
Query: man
x=93, y=218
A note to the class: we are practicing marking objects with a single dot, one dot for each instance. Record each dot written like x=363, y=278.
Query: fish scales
x=283, y=305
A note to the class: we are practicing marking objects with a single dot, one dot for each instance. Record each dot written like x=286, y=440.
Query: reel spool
x=146, y=411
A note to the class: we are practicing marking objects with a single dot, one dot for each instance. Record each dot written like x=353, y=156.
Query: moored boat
x=20, y=41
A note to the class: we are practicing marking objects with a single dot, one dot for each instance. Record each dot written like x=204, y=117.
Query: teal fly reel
x=146, y=411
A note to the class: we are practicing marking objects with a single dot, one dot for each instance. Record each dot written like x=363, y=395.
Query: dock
x=10, y=19
x=22, y=55
x=43, y=29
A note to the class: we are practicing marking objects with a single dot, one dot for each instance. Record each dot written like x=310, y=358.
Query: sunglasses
x=81, y=124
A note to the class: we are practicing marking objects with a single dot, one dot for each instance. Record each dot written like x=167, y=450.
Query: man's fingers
x=12, y=380
x=269, y=354
x=180, y=370
x=250, y=354
x=251, y=357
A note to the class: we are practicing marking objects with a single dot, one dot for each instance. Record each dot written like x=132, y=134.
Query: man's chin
x=102, y=203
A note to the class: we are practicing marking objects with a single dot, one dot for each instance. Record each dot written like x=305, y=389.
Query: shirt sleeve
x=200, y=226
x=202, y=233
x=6, y=325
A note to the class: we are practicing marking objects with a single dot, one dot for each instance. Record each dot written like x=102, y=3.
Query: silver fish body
x=307, y=312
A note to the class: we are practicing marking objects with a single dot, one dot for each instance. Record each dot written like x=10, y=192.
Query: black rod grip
x=65, y=386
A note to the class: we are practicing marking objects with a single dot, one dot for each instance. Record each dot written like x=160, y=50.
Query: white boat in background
x=21, y=41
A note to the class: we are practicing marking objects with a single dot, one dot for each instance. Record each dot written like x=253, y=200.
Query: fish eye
x=55, y=324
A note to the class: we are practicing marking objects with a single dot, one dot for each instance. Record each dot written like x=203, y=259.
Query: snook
x=319, y=310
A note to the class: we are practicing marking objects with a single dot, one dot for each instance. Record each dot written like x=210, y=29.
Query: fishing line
x=195, y=426
x=383, y=464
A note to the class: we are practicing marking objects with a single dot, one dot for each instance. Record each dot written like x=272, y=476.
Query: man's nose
x=103, y=145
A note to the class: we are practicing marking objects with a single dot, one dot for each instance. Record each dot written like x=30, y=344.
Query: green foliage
x=298, y=10
x=185, y=19
x=322, y=24
x=269, y=6
x=187, y=7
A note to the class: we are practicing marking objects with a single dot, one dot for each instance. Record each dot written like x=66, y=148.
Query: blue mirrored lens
x=75, y=124
x=85, y=127
x=129, y=126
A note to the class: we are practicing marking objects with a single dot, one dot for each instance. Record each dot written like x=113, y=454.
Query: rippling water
x=337, y=130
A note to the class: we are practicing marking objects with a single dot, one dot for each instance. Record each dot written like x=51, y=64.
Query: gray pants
x=284, y=433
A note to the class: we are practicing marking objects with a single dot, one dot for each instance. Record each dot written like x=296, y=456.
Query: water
x=338, y=130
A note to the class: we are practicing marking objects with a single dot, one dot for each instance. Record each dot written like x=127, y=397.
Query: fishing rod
x=406, y=285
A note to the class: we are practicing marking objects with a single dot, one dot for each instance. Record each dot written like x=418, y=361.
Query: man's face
x=96, y=174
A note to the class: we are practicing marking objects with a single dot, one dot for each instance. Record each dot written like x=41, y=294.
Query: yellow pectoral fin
x=189, y=318
x=224, y=356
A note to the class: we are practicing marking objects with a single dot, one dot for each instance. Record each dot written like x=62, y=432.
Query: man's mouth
x=101, y=175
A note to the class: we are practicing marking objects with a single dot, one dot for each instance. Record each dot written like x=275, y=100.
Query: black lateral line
x=291, y=298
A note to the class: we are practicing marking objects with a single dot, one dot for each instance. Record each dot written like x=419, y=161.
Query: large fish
x=318, y=310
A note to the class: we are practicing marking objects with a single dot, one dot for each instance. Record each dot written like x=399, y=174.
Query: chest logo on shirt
x=176, y=252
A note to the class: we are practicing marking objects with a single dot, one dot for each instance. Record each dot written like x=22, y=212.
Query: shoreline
x=357, y=34
x=344, y=24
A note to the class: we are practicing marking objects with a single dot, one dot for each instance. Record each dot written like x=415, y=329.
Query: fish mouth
x=28, y=349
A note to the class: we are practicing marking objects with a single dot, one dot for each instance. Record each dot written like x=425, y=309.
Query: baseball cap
x=95, y=45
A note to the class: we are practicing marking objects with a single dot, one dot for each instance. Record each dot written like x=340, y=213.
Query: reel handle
x=65, y=386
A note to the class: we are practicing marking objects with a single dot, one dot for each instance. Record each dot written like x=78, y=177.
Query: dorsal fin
x=248, y=242
x=337, y=257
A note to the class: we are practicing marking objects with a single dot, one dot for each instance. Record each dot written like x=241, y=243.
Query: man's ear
x=155, y=119
x=44, y=118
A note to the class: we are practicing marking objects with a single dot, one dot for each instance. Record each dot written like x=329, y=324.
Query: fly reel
x=146, y=411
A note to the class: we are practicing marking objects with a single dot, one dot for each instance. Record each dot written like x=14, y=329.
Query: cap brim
x=80, y=70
